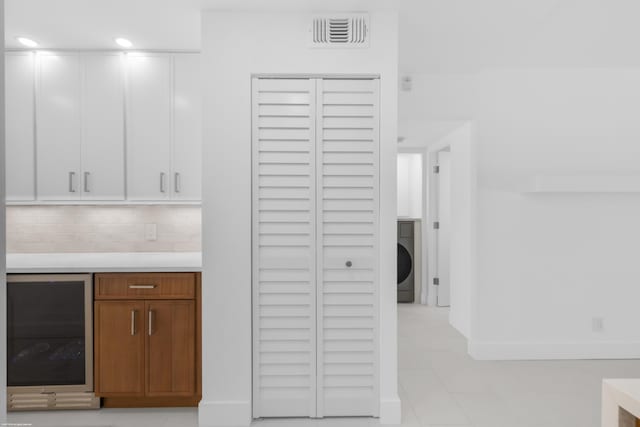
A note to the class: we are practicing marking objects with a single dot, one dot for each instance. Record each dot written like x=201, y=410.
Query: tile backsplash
x=55, y=229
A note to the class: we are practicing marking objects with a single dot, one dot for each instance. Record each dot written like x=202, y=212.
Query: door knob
x=348, y=264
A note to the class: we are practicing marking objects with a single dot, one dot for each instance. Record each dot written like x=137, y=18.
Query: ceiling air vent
x=340, y=31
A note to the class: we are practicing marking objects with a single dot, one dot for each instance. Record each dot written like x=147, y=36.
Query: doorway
x=315, y=253
x=449, y=216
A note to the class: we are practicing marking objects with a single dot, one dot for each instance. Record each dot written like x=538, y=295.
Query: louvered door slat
x=339, y=110
x=351, y=98
x=350, y=85
x=347, y=242
x=284, y=248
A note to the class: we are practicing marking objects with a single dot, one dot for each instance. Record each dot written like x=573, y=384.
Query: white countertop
x=104, y=262
x=619, y=393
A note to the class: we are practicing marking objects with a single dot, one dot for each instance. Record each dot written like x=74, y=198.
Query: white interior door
x=284, y=248
x=20, y=143
x=347, y=220
x=58, y=127
x=103, y=127
x=315, y=247
x=443, y=233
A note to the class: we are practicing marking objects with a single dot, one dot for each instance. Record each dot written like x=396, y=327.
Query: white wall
x=3, y=251
x=436, y=105
x=403, y=185
x=410, y=185
x=237, y=44
x=560, y=100
x=549, y=263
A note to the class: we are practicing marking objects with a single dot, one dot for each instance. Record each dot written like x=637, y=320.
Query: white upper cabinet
x=80, y=122
x=103, y=127
x=164, y=138
x=187, y=134
x=20, y=142
x=149, y=126
x=58, y=113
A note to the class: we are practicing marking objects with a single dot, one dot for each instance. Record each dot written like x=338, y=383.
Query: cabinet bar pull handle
x=162, y=182
x=86, y=182
x=150, y=322
x=72, y=187
x=177, y=182
x=133, y=322
x=142, y=286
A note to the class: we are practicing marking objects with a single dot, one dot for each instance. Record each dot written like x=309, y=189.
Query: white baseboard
x=488, y=350
x=224, y=413
x=391, y=411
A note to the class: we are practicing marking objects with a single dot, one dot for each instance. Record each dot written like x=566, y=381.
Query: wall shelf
x=584, y=184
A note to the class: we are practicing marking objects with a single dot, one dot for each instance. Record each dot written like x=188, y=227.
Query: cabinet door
x=149, y=127
x=187, y=144
x=58, y=127
x=103, y=127
x=119, y=348
x=20, y=144
x=171, y=347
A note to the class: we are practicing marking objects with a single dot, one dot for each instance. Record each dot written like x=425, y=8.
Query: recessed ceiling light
x=126, y=43
x=27, y=42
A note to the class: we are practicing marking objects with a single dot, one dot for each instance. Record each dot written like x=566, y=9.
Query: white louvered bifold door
x=315, y=248
x=284, y=248
x=347, y=223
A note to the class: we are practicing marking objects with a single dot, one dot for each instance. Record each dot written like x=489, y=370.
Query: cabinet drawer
x=145, y=286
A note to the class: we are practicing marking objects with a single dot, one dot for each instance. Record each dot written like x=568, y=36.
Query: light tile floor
x=440, y=386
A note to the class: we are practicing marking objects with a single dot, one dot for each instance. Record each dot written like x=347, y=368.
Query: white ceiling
x=169, y=24
x=435, y=35
x=150, y=24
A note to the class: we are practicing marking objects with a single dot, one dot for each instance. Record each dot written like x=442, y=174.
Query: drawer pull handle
x=142, y=286
x=133, y=322
x=150, y=322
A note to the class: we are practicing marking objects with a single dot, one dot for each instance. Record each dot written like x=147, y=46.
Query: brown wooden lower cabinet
x=147, y=339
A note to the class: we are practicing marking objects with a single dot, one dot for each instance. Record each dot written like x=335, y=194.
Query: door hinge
x=436, y=225
x=436, y=281
x=436, y=169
